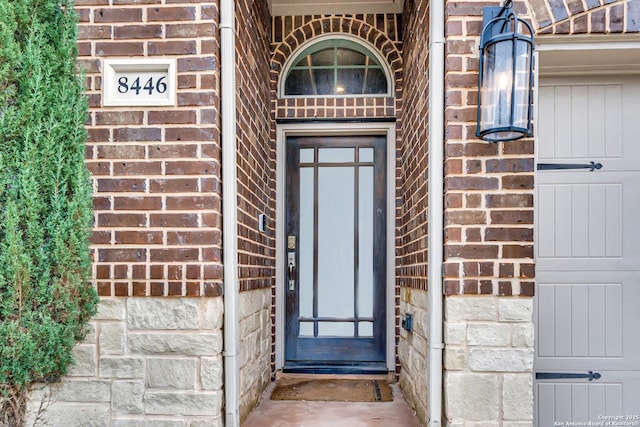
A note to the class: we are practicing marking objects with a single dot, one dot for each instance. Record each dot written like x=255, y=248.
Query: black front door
x=336, y=254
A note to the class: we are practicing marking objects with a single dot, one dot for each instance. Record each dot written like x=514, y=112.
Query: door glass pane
x=336, y=155
x=365, y=242
x=335, y=329
x=305, y=244
x=336, y=241
x=306, y=329
x=306, y=155
x=365, y=329
x=366, y=154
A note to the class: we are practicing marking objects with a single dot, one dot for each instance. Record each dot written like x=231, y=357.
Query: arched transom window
x=336, y=67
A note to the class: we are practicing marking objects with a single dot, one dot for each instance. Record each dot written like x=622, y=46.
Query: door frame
x=284, y=130
x=579, y=56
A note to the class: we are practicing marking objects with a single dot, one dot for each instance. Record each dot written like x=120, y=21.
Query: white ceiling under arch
x=316, y=7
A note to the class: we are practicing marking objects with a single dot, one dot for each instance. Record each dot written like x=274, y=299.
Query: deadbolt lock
x=291, y=243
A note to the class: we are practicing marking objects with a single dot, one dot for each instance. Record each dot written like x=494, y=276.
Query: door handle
x=562, y=375
x=291, y=262
x=567, y=166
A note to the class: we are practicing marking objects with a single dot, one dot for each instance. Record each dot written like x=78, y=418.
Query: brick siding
x=256, y=148
x=156, y=171
x=488, y=187
x=411, y=241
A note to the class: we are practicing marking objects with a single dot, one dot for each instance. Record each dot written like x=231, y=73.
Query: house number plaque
x=139, y=82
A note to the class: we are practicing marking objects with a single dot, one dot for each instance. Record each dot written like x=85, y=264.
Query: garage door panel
x=586, y=118
x=587, y=240
x=573, y=401
x=589, y=217
x=587, y=320
x=577, y=320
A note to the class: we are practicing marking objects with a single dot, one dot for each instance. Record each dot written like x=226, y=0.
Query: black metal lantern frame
x=505, y=83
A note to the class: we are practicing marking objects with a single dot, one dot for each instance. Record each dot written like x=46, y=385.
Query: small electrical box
x=407, y=322
x=262, y=223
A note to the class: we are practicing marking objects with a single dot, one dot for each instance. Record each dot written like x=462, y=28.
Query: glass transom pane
x=323, y=57
x=350, y=57
x=335, y=67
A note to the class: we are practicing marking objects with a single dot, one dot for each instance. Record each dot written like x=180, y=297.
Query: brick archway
x=585, y=17
x=336, y=24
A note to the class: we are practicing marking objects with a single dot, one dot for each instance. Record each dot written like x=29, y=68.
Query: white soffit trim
x=316, y=7
x=585, y=55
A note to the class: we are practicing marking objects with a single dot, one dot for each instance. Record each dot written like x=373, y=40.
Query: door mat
x=332, y=390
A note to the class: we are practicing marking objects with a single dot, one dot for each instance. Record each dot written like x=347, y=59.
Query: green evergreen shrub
x=46, y=296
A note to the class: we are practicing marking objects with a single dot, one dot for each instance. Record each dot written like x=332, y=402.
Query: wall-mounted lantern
x=506, y=76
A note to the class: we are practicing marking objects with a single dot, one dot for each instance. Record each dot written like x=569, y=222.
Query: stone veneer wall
x=411, y=240
x=255, y=347
x=488, y=360
x=146, y=362
x=412, y=351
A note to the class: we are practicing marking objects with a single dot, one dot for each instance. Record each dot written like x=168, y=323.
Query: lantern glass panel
x=523, y=78
x=497, y=84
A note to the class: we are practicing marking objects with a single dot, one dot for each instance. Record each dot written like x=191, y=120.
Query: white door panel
x=587, y=240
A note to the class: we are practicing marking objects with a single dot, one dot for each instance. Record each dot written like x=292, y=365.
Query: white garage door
x=587, y=311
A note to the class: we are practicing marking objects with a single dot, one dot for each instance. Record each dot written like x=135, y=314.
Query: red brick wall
x=411, y=241
x=488, y=186
x=256, y=148
x=156, y=171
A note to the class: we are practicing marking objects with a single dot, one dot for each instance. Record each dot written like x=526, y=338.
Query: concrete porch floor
x=288, y=413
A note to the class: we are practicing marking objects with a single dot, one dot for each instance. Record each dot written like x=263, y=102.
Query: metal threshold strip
x=370, y=368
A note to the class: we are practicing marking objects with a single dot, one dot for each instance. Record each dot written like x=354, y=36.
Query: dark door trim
x=388, y=131
x=362, y=351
